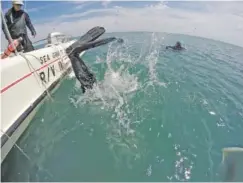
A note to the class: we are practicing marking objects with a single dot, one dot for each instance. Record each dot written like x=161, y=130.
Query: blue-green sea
x=156, y=115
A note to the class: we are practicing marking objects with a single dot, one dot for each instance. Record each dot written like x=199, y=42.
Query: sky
x=214, y=20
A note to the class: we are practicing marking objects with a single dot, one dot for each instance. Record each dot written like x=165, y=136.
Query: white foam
x=205, y=102
x=113, y=94
x=149, y=171
x=71, y=75
x=212, y=113
x=152, y=60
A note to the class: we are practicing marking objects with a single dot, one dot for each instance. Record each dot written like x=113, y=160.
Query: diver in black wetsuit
x=82, y=73
x=176, y=47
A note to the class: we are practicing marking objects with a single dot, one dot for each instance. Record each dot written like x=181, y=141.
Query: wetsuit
x=17, y=22
x=82, y=72
x=175, y=47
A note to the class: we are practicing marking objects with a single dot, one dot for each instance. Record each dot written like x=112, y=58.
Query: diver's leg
x=82, y=73
x=83, y=89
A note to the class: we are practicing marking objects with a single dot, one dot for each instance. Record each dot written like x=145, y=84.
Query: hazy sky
x=217, y=20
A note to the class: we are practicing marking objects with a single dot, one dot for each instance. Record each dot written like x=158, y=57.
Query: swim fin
x=79, y=46
x=91, y=35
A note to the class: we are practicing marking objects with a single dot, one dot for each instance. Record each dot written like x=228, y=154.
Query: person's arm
x=29, y=24
x=167, y=47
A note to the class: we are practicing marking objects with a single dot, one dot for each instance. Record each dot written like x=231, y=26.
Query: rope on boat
x=22, y=151
x=33, y=70
x=15, y=144
x=40, y=40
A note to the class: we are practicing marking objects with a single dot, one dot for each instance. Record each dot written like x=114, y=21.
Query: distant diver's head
x=120, y=40
x=178, y=44
x=17, y=4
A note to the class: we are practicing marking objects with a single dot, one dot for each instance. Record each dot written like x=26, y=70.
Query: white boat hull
x=23, y=88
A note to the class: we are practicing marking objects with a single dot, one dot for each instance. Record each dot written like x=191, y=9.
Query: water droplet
x=212, y=113
x=170, y=178
x=187, y=174
x=205, y=102
x=169, y=135
x=220, y=124
x=149, y=170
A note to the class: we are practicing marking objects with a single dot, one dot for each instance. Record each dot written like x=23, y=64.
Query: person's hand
x=33, y=35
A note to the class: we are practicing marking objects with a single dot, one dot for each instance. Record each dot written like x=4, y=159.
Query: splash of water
x=117, y=80
x=183, y=166
x=112, y=94
x=152, y=60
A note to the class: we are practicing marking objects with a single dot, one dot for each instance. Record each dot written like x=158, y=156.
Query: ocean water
x=155, y=115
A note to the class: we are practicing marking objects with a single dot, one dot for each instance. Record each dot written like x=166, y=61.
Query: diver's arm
x=167, y=47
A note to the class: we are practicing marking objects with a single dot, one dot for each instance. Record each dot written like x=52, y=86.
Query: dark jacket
x=17, y=22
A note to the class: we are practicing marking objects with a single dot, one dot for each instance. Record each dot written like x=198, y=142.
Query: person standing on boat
x=17, y=20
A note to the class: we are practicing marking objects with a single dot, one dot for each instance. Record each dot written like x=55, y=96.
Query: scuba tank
x=10, y=49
